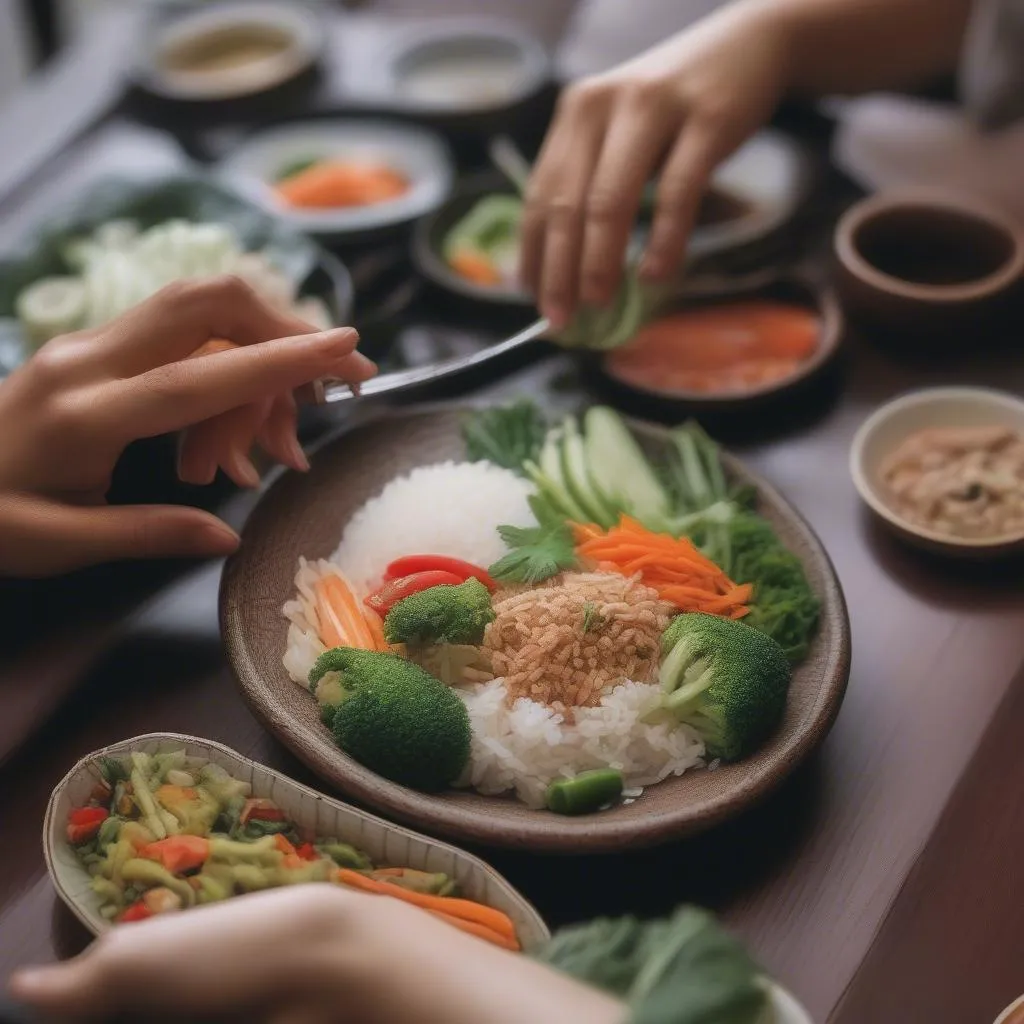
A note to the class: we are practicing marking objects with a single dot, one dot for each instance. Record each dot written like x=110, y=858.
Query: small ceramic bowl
x=664, y=403
x=922, y=265
x=894, y=422
x=230, y=51
x=1013, y=1014
x=473, y=66
x=419, y=155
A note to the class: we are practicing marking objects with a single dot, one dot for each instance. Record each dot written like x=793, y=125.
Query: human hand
x=68, y=414
x=680, y=108
x=305, y=955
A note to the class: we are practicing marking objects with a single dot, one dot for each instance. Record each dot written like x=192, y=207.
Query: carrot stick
x=467, y=910
x=341, y=607
x=479, y=930
x=331, y=632
x=474, y=267
x=376, y=628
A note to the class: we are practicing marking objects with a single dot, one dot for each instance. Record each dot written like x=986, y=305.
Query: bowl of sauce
x=926, y=265
x=732, y=351
x=944, y=469
x=230, y=51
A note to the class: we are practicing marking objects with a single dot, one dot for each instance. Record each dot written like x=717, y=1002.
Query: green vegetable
x=584, y=793
x=397, y=719
x=112, y=770
x=508, y=436
x=108, y=833
x=726, y=680
x=579, y=478
x=609, y=326
x=592, y=618
x=784, y=606
x=682, y=970
x=263, y=851
x=290, y=170
x=160, y=822
x=453, y=664
x=539, y=552
x=343, y=855
x=150, y=874
x=221, y=785
x=447, y=614
x=491, y=225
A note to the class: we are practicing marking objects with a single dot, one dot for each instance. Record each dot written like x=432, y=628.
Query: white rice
x=453, y=508
x=527, y=746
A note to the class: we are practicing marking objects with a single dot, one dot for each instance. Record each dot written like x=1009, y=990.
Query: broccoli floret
x=726, y=680
x=397, y=719
x=447, y=614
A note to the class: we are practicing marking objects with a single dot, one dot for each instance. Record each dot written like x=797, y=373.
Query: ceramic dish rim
x=869, y=492
x=884, y=204
x=187, y=739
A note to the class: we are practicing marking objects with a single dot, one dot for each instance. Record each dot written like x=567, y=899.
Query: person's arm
x=684, y=106
x=318, y=954
x=852, y=46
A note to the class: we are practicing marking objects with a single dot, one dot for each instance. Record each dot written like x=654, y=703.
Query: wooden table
x=881, y=884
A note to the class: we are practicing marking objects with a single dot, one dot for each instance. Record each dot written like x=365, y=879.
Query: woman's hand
x=306, y=955
x=68, y=414
x=680, y=108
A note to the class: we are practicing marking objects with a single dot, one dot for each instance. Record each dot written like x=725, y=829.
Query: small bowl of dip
x=230, y=51
x=926, y=266
x=944, y=469
x=476, y=68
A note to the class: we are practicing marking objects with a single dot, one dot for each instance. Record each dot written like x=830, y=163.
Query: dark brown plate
x=305, y=515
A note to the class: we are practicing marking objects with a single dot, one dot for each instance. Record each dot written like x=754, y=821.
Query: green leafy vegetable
x=682, y=970
x=537, y=553
x=290, y=170
x=508, y=436
x=592, y=618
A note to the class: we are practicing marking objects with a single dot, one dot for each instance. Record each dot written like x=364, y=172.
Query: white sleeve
x=992, y=63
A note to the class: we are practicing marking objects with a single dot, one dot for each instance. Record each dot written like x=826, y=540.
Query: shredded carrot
x=376, y=627
x=465, y=910
x=475, y=267
x=479, y=930
x=336, y=183
x=671, y=566
x=340, y=616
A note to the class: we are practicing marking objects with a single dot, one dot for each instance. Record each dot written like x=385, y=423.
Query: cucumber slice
x=492, y=222
x=52, y=306
x=603, y=329
x=577, y=477
x=620, y=470
x=552, y=483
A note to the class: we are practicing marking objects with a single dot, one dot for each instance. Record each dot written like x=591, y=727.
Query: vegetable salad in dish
x=121, y=265
x=163, y=832
x=584, y=622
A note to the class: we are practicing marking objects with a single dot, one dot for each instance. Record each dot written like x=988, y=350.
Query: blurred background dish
x=229, y=51
x=921, y=265
x=944, y=469
x=343, y=178
x=471, y=65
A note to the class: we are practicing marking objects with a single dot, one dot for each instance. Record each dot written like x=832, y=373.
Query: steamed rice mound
x=452, y=508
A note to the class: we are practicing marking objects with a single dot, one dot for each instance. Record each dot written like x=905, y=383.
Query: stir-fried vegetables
x=163, y=833
x=671, y=566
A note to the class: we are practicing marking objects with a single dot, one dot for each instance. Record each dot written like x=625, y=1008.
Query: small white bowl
x=785, y=1009
x=890, y=425
x=418, y=154
x=1008, y=1015
x=297, y=29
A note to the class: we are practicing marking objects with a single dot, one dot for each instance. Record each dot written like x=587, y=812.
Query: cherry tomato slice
x=411, y=564
x=387, y=596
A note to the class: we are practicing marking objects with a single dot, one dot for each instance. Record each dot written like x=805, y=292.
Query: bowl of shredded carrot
x=343, y=178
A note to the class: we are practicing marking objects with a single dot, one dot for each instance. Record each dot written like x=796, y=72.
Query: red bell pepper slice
x=178, y=853
x=387, y=596
x=411, y=564
x=84, y=823
x=260, y=809
x=307, y=851
x=136, y=912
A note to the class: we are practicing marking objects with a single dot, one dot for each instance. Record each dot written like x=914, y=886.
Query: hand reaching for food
x=68, y=414
x=311, y=953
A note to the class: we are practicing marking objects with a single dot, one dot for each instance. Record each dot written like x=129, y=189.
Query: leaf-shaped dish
x=186, y=197
x=380, y=840
x=305, y=515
